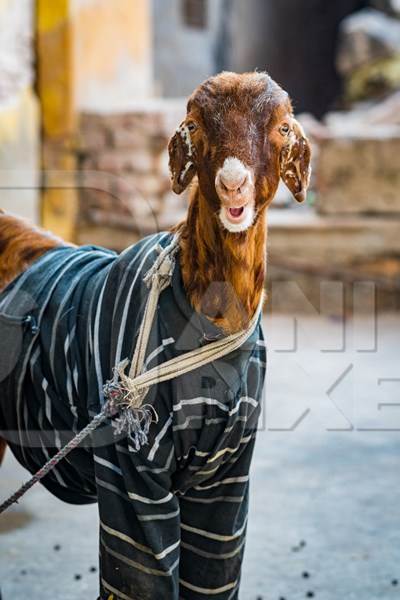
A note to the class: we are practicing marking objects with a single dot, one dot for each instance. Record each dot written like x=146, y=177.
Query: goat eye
x=192, y=127
x=285, y=129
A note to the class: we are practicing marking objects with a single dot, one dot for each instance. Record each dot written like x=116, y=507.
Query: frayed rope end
x=125, y=404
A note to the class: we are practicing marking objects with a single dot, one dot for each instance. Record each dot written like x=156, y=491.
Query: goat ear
x=296, y=163
x=181, y=159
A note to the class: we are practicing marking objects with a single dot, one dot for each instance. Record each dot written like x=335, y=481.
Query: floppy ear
x=296, y=163
x=181, y=159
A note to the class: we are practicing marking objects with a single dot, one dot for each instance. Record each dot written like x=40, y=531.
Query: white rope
x=194, y=359
x=127, y=392
x=159, y=278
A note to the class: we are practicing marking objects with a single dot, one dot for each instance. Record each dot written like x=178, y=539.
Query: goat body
x=161, y=504
x=67, y=327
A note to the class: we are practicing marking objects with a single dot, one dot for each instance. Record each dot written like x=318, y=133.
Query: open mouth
x=237, y=219
x=236, y=213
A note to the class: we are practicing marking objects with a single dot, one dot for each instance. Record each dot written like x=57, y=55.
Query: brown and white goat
x=240, y=138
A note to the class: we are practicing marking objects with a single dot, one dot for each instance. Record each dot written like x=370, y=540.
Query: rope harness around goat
x=125, y=393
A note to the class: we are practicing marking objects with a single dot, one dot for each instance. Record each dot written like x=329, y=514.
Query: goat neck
x=223, y=273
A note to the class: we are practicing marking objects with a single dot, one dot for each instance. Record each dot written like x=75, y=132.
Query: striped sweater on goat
x=64, y=324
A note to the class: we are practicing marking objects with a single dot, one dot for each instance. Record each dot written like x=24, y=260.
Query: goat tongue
x=236, y=212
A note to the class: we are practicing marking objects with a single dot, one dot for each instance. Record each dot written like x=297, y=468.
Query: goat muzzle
x=234, y=182
x=235, y=188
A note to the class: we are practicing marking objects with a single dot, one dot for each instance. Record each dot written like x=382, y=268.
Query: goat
x=173, y=513
x=240, y=138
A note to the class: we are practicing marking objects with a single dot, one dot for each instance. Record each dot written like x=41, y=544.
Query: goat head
x=240, y=137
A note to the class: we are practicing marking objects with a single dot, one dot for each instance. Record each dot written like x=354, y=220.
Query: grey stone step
x=339, y=240
x=306, y=250
x=357, y=170
x=298, y=235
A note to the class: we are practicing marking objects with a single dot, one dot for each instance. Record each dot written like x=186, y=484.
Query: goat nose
x=232, y=184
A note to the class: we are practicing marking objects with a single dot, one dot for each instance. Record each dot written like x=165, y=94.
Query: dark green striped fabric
x=173, y=514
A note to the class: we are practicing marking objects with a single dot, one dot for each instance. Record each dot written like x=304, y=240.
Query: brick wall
x=125, y=185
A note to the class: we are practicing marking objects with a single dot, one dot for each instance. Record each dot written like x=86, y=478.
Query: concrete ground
x=325, y=515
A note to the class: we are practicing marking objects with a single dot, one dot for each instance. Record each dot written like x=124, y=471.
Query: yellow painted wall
x=93, y=55
x=55, y=67
x=20, y=156
x=113, y=53
x=19, y=113
x=56, y=87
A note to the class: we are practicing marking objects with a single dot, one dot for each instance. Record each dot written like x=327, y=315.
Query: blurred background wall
x=91, y=91
x=185, y=38
x=113, y=53
x=287, y=33
x=241, y=36
x=19, y=114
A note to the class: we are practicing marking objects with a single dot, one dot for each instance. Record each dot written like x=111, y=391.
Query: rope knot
x=124, y=400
